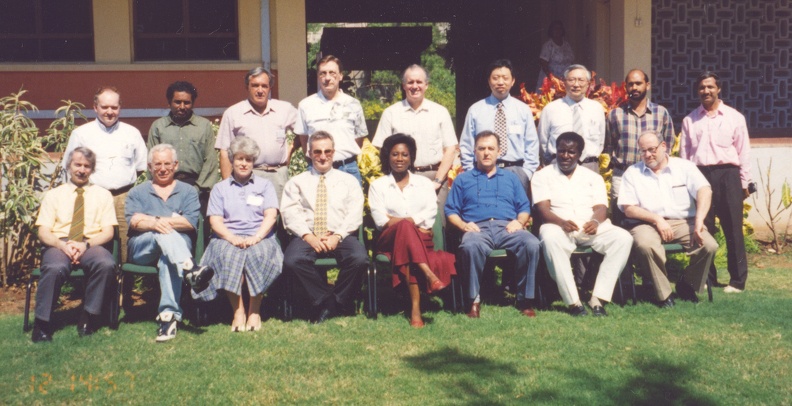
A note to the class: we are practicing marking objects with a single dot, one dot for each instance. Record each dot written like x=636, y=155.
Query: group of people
x=513, y=170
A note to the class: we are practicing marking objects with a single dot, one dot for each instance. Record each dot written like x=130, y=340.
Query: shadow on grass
x=479, y=380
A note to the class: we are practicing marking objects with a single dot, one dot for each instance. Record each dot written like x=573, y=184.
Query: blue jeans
x=169, y=251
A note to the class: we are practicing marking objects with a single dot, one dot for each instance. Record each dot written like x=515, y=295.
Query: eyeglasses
x=166, y=165
x=319, y=152
x=328, y=73
x=582, y=81
x=651, y=151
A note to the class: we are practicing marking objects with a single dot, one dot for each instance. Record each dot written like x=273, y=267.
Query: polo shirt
x=477, y=197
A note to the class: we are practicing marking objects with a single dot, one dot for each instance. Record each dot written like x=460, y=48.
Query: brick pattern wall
x=747, y=42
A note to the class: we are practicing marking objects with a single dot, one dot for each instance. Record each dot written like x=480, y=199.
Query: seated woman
x=404, y=207
x=242, y=212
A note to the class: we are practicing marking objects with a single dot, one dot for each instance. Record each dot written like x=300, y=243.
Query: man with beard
x=667, y=198
x=572, y=204
x=629, y=120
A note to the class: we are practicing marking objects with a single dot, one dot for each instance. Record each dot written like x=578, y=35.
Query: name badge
x=255, y=200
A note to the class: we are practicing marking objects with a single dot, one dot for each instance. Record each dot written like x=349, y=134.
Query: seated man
x=322, y=209
x=75, y=220
x=162, y=213
x=490, y=207
x=668, y=198
x=573, y=206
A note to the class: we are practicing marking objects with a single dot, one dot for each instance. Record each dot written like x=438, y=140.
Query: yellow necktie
x=78, y=217
x=320, y=214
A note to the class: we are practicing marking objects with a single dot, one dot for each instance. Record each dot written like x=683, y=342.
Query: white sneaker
x=166, y=331
x=731, y=289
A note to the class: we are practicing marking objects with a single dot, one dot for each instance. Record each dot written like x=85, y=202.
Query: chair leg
x=372, y=292
x=287, y=298
x=26, y=325
x=709, y=288
x=115, y=305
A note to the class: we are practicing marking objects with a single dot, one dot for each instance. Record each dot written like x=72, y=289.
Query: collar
x=423, y=107
x=324, y=99
x=249, y=181
x=175, y=191
x=648, y=171
x=558, y=170
x=702, y=112
x=188, y=122
x=110, y=129
x=252, y=109
x=494, y=100
x=477, y=172
x=568, y=100
x=72, y=187
x=314, y=172
x=651, y=108
x=392, y=180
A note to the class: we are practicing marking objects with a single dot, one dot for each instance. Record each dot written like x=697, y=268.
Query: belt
x=270, y=168
x=338, y=164
x=590, y=159
x=427, y=168
x=121, y=190
x=505, y=164
x=721, y=166
x=185, y=177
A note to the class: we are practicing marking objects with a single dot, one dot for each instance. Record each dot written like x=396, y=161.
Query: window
x=185, y=30
x=46, y=31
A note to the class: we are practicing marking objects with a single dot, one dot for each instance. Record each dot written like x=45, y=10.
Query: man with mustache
x=572, y=204
x=576, y=113
x=666, y=199
x=193, y=138
x=75, y=223
x=629, y=120
x=512, y=122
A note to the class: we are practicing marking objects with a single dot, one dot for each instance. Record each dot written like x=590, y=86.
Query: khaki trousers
x=649, y=255
x=119, y=201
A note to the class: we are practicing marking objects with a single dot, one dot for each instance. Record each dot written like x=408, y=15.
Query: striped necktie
x=577, y=119
x=320, y=212
x=500, y=130
x=78, y=217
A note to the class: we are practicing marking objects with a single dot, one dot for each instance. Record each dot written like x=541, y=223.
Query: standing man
x=162, y=213
x=668, y=198
x=574, y=113
x=715, y=138
x=629, y=120
x=322, y=209
x=337, y=113
x=266, y=122
x=512, y=122
x=488, y=206
x=120, y=152
x=428, y=123
x=193, y=138
x=572, y=204
x=75, y=221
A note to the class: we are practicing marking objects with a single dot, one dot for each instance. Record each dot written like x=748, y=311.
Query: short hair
x=330, y=58
x=391, y=142
x=500, y=63
x=653, y=132
x=627, y=78
x=577, y=66
x=319, y=135
x=706, y=75
x=485, y=134
x=244, y=145
x=103, y=89
x=161, y=148
x=86, y=152
x=415, y=66
x=181, y=86
x=553, y=25
x=573, y=137
x=258, y=71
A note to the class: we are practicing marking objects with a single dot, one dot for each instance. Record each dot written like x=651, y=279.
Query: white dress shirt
x=670, y=193
x=430, y=125
x=417, y=201
x=571, y=198
x=344, y=203
x=556, y=119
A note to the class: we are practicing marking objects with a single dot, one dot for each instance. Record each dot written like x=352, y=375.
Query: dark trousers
x=727, y=204
x=99, y=267
x=299, y=257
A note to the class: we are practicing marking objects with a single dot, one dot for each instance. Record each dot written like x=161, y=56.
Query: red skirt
x=414, y=247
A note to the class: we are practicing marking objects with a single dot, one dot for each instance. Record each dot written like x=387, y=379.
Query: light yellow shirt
x=57, y=209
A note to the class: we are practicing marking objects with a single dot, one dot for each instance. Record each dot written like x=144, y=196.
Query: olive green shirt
x=194, y=142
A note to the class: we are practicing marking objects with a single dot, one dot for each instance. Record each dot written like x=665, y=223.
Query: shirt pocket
x=280, y=135
x=128, y=155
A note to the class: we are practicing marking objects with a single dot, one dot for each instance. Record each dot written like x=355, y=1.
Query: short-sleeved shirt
x=57, y=209
x=342, y=118
x=194, y=142
x=120, y=152
x=430, y=125
x=671, y=193
x=242, y=206
x=625, y=126
x=143, y=199
x=476, y=197
x=571, y=198
x=417, y=201
x=556, y=119
x=267, y=129
x=523, y=143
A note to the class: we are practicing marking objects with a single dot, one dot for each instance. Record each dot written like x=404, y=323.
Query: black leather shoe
x=598, y=311
x=686, y=292
x=84, y=330
x=668, y=303
x=577, y=311
x=324, y=315
x=41, y=332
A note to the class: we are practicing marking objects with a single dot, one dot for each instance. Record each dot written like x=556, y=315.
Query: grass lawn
x=737, y=350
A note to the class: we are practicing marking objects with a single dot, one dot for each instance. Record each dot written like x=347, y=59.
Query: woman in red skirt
x=404, y=207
